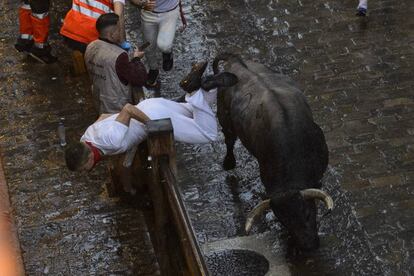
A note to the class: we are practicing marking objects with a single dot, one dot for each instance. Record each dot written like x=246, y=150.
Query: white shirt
x=193, y=122
x=113, y=137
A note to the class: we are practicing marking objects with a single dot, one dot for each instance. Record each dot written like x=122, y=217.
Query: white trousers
x=363, y=4
x=193, y=122
x=159, y=30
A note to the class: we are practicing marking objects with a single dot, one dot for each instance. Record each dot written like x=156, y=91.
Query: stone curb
x=11, y=261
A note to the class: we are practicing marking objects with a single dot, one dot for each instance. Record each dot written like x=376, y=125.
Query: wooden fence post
x=175, y=242
x=172, y=235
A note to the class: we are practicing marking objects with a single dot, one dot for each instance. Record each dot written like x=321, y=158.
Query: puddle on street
x=237, y=263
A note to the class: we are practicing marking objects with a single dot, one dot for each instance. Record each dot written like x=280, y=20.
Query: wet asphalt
x=357, y=74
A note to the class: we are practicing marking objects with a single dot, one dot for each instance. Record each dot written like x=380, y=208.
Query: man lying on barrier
x=193, y=121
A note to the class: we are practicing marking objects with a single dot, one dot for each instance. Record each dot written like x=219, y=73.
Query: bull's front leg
x=229, y=161
x=223, y=114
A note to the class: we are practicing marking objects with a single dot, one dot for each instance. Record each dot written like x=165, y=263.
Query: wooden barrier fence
x=172, y=234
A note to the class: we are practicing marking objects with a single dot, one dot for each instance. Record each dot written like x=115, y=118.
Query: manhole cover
x=237, y=263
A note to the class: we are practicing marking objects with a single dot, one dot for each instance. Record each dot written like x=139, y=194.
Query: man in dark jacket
x=113, y=74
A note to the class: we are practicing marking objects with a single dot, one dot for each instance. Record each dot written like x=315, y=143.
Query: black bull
x=273, y=120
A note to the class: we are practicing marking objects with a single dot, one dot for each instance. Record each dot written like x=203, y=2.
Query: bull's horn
x=258, y=210
x=318, y=194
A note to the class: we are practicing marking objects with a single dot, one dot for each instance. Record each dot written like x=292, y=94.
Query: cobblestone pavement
x=67, y=224
x=358, y=76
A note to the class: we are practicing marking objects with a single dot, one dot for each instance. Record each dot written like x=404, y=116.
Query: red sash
x=97, y=156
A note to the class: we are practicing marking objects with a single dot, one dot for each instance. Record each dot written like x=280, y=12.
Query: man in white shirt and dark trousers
x=159, y=20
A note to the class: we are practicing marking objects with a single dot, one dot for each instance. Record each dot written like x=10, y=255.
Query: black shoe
x=192, y=81
x=43, y=55
x=152, y=80
x=224, y=79
x=23, y=45
x=167, y=61
x=361, y=12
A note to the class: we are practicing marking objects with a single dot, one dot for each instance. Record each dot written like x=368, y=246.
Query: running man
x=159, y=19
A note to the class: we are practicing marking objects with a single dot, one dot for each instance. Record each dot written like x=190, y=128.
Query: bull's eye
x=185, y=81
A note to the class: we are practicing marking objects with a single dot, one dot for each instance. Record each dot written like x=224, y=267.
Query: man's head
x=107, y=27
x=79, y=156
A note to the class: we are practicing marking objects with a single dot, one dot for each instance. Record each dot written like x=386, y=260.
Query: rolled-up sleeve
x=130, y=72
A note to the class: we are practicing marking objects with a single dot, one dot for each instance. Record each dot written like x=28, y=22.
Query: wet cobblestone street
x=358, y=75
x=67, y=224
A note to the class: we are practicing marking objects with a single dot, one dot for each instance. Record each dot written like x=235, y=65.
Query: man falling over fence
x=159, y=20
x=193, y=121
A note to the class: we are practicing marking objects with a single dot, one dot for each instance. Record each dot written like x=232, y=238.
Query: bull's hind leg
x=229, y=161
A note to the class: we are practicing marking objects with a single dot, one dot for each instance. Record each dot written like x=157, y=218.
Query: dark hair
x=75, y=155
x=106, y=20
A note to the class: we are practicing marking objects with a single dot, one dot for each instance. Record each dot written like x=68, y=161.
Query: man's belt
x=166, y=11
x=183, y=19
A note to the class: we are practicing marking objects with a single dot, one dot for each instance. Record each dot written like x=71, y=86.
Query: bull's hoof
x=229, y=162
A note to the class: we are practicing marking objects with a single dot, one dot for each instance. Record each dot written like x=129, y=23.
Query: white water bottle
x=61, y=132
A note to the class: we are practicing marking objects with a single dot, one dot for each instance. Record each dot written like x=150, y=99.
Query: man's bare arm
x=129, y=112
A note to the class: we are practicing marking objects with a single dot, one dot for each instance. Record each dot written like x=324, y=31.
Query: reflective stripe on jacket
x=80, y=21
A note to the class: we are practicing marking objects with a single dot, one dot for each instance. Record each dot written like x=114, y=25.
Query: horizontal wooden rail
x=192, y=252
x=177, y=248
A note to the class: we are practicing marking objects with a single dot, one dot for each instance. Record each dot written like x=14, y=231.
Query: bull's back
x=271, y=117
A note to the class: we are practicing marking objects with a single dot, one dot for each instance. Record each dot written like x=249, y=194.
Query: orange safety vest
x=80, y=21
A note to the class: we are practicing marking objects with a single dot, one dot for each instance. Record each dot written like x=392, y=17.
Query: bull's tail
x=226, y=57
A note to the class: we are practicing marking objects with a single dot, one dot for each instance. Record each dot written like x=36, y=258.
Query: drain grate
x=237, y=263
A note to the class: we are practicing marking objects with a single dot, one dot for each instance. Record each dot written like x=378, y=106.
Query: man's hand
x=149, y=5
x=138, y=54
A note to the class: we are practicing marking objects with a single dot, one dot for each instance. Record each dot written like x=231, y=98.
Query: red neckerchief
x=97, y=156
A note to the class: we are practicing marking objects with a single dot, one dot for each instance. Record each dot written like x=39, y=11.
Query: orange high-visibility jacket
x=80, y=21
